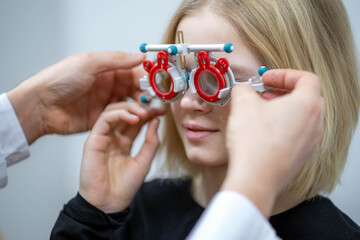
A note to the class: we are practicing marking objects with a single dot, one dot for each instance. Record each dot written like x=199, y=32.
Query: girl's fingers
x=133, y=131
x=131, y=107
x=150, y=146
x=144, y=112
x=125, y=118
x=109, y=120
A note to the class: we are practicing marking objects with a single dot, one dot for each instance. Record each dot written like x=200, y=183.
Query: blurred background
x=36, y=34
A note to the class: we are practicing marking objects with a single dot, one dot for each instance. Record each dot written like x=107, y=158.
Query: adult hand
x=269, y=141
x=69, y=96
x=110, y=177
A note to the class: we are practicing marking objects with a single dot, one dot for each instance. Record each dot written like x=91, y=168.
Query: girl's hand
x=110, y=177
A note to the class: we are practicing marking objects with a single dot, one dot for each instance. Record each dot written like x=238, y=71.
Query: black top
x=164, y=209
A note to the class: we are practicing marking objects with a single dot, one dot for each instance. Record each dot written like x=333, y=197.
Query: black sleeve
x=81, y=220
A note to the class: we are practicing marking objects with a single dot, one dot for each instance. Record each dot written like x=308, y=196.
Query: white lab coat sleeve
x=13, y=143
x=229, y=216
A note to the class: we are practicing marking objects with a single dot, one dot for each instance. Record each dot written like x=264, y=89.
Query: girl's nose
x=194, y=103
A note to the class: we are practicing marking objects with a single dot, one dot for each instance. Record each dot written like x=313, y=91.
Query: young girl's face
x=202, y=126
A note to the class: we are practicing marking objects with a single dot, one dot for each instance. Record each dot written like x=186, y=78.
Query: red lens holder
x=218, y=70
x=152, y=69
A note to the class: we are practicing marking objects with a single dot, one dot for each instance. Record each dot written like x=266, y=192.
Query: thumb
x=243, y=93
x=97, y=62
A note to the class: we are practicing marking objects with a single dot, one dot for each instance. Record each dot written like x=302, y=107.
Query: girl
x=309, y=35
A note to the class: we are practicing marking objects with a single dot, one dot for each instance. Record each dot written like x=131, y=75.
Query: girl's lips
x=198, y=135
x=196, y=132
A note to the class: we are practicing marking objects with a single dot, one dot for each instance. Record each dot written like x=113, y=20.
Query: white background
x=36, y=34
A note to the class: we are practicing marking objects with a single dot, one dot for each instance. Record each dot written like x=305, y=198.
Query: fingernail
x=156, y=120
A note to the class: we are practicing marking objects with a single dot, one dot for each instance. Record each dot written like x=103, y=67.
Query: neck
x=284, y=202
x=207, y=183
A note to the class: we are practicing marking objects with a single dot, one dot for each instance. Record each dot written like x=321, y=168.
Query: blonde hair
x=310, y=35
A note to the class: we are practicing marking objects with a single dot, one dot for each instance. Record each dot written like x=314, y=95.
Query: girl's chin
x=206, y=162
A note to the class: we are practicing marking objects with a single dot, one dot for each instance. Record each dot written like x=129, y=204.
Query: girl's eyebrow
x=243, y=70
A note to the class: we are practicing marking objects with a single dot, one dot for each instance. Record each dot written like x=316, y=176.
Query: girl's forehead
x=210, y=28
x=206, y=27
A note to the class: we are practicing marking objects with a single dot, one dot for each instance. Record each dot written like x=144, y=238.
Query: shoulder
x=166, y=193
x=164, y=209
x=317, y=218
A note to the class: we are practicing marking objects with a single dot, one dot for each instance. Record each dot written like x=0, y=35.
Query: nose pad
x=193, y=102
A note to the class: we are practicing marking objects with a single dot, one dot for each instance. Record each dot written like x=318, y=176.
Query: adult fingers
x=128, y=84
x=243, y=94
x=290, y=80
x=129, y=77
x=243, y=99
x=96, y=62
x=137, y=74
x=273, y=93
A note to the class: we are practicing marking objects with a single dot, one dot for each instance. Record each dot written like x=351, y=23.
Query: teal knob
x=173, y=50
x=228, y=47
x=143, y=99
x=262, y=70
x=143, y=47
